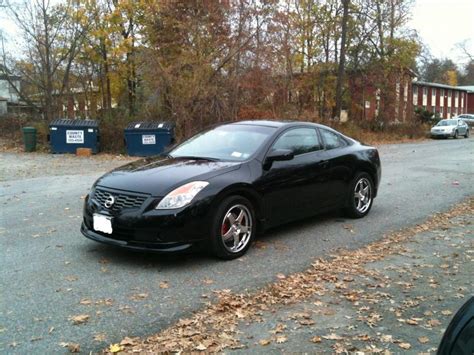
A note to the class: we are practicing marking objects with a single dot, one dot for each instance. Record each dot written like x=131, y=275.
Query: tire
x=223, y=228
x=467, y=134
x=455, y=134
x=357, y=207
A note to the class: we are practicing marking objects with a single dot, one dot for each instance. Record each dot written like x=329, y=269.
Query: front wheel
x=467, y=134
x=361, y=196
x=234, y=228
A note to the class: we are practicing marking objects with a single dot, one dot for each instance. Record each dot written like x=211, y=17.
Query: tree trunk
x=342, y=58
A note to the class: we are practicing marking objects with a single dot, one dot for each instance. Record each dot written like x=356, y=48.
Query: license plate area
x=102, y=223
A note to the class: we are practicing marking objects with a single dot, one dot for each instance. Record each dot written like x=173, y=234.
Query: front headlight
x=181, y=196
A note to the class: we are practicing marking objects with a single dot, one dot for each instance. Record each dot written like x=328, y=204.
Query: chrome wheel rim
x=236, y=228
x=362, y=195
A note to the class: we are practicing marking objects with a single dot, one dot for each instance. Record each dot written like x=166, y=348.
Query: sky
x=443, y=23
x=440, y=24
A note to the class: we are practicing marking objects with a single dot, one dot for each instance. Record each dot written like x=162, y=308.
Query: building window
x=415, y=95
x=441, y=112
x=433, y=109
x=425, y=90
x=449, y=94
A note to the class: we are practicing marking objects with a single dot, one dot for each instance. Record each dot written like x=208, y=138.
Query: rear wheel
x=467, y=134
x=234, y=228
x=361, y=196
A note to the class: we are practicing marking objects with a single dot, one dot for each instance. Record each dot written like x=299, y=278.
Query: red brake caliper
x=225, y=227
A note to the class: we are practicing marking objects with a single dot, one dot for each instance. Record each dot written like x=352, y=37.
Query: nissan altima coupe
x=221, y=187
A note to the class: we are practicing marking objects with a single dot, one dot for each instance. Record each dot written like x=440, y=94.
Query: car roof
x=275, y=123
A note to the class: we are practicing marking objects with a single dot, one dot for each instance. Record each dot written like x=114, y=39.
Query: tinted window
x=332, y=140
x=235, y=142
x=299, y=140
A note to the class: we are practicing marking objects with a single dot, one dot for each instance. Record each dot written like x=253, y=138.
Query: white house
x=8, y=93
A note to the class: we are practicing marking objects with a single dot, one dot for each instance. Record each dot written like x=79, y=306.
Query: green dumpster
x=29, y=137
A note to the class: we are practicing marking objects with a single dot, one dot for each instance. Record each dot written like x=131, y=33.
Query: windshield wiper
x=193, y=157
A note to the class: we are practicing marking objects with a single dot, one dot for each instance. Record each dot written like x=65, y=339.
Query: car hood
x=158, y=176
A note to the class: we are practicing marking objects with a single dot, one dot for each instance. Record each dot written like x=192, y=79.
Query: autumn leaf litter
x=216, y=327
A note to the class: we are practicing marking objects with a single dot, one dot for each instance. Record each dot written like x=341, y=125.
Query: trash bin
x=66, y=135
x=148, y=138
x=29, y=138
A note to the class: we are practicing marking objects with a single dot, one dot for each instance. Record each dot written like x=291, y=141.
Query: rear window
x=332, y=140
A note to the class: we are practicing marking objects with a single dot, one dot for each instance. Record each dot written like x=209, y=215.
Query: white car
x=468, y=118
x=453, y=127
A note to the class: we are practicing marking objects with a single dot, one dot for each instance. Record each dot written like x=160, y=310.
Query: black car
x=223, y=185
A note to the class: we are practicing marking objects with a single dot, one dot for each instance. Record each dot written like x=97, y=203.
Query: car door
x=296, y=188
x=462, y=127
x=339, y=162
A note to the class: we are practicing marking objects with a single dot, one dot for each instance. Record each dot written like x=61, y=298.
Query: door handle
x=324, y=163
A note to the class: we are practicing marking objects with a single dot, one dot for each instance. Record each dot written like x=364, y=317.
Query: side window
x=332, y=140
x=299, y=140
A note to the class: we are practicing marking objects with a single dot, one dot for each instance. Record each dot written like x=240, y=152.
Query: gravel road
x=47, y=267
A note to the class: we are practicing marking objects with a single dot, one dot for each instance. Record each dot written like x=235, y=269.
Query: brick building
x=470, y=98
x=444, y=101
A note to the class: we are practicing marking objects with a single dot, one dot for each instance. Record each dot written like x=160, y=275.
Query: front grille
x=122, y=201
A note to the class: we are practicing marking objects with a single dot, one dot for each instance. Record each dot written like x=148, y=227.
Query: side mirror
x=279, y=155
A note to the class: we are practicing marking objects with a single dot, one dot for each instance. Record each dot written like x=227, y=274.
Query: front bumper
x=147, y=229
x=441, y=134
x=133, y=245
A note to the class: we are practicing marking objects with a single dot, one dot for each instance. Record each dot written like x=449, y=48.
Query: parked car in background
x=468, y=118
x=223, y=185
x=453, y=127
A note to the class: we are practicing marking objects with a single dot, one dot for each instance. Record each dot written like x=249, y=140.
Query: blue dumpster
x=148, y=138
x=66, y=135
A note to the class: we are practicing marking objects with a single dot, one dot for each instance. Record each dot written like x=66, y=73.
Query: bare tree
x=52, y=39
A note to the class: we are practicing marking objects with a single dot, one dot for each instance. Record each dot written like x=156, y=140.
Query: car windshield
x=235, y=142
x=447, y=123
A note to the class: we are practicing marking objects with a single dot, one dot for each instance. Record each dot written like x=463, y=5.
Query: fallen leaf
x=411, y=322
x=423, y=340
x=280, y=276
x=386, y=338
x=446, y=312
x=139, y=296
x=115, y=348
x=79, y=319
x=201, y=347
x=316, y=339
x=207, y=281
x=100, y=337
x=332, y=336
x=72, y=347
x=306, y=322
x=404, y=346
x=434, y=322
x=264, y=342
x=164, y=284
x=85, y=301
x=280, y=327
x=128, y=341
x=281, y=339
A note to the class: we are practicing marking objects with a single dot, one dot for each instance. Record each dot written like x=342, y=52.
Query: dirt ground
x=395, y=294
